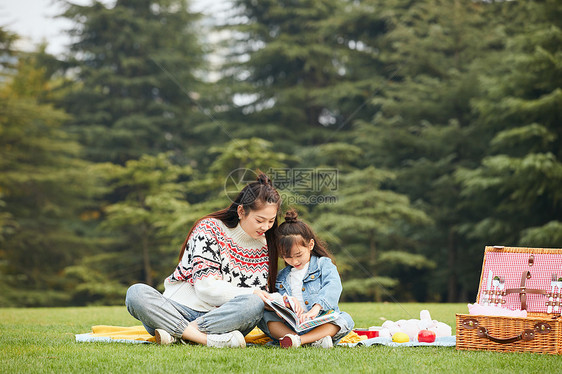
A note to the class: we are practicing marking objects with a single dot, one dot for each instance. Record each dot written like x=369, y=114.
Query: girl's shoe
x=325, y=342
x=290, y=341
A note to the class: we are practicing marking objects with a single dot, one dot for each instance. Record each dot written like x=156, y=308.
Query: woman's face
x=257, y=222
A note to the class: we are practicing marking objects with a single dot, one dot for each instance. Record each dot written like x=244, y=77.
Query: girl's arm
x=331, y=288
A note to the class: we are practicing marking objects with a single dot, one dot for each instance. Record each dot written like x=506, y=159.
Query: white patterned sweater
x=219, y=263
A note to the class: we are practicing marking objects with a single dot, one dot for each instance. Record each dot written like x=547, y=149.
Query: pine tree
x=133, y=68
x=44, y=189
x=426, y=53
x=370, y=225
x=154, y=190
x=517, y=184
x=286, y=69
x=234, y=164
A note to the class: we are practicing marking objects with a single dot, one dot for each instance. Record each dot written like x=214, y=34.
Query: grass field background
x=42, y=340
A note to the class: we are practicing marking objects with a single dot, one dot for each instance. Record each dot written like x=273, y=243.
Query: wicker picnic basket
x=527, y=279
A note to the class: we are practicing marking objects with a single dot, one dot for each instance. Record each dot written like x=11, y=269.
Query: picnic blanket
x=444, y=341
x=118, y=334
x=138, y=334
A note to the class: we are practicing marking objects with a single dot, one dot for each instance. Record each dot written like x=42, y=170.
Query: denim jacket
x=321, y=284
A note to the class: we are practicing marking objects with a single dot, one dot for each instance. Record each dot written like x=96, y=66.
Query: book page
x=293, y=320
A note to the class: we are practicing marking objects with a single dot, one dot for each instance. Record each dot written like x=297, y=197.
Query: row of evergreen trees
x=409, y=134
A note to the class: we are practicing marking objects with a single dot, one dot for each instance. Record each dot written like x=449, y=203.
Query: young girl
x=313, y=281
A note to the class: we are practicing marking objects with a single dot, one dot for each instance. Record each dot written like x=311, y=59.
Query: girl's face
x=257, y=222
x=300, y=254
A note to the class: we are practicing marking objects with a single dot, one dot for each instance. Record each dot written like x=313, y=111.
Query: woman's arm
x=215, y=291
x=205, y=264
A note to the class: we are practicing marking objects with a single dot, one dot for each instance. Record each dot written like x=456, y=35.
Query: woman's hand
x=312, y=313
x=264, y=295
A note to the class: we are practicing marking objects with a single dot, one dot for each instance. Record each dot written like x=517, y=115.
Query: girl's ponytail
x=291, y=216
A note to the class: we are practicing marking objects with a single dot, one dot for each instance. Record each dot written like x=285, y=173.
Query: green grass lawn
x=42, y=340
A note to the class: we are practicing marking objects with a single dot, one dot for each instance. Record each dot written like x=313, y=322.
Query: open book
x=286, y=310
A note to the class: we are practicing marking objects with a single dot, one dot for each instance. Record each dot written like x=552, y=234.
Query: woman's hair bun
x=291, y=216
x=264, y=179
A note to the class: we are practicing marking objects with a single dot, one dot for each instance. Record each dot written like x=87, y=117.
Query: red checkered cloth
x=511, y=266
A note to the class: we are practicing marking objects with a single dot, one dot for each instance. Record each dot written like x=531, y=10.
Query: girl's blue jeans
x=158, y=312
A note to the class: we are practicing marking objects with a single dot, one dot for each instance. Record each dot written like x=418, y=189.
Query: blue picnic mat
x=445, y=341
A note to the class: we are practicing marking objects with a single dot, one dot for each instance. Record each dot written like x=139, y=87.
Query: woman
x=216, y=294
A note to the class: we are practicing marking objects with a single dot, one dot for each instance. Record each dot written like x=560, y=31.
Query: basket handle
x=523, y=290
x=526, y=335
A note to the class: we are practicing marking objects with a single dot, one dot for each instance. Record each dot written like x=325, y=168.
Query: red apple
x=426, y=336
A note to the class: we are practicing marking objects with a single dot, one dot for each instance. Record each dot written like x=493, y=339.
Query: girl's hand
x=264, y=295
x=297, y=306
x=312, y=313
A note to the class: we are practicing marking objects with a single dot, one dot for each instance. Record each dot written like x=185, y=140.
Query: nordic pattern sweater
x=218, y=264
